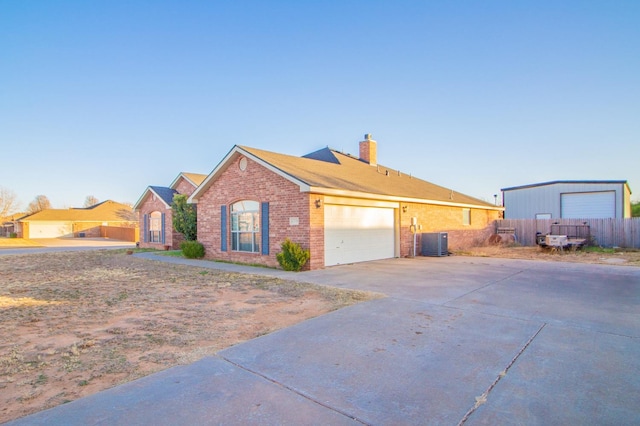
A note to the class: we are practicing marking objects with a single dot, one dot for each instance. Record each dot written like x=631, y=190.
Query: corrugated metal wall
x=525, y=203
x=606, y=232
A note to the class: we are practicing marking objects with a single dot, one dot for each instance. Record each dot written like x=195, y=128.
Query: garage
x=358, y=234
x=588, y=205
x=50, y=230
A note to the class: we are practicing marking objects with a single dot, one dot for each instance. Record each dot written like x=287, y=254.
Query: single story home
x=570, y=199
x=341, y=208
x=10, y=224
x=76, y=222
x=156, y=217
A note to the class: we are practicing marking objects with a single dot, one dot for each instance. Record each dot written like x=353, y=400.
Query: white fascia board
x=234, y=153
x=142, y=198
x=208, y=181
x=149, y=191
x=182, y=175
x=304, y=187
x=356, y=194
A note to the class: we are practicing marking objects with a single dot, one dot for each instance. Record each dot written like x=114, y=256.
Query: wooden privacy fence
x=605, y=232
x=120, y=233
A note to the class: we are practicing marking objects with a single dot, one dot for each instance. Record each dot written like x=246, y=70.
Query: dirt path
x=76, y=323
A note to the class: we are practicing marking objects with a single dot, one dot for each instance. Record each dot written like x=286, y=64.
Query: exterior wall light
x=404, y=209
x=318, y=203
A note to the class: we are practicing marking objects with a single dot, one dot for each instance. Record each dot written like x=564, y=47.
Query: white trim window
x=245, y=226
x=155, y=227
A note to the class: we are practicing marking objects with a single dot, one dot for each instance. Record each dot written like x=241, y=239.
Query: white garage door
x=50, y=230
x=357, y=234
x=588, y=205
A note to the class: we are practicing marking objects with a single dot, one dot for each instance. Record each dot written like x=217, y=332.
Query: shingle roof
x=196, y=178
x=328, y=169
x=107, y=211
x=165, y=193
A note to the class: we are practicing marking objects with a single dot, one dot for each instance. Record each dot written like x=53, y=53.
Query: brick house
x=156, y=218
x=342, y=208
x=76, y=222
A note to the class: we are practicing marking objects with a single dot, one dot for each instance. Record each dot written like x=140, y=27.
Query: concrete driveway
x=457, y=340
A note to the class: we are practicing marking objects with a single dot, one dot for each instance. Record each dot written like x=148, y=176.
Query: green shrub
x=13, y=235
x=292, y=257
x=192, y=249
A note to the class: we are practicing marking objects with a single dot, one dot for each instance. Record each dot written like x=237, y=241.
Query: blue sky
x=104, y=98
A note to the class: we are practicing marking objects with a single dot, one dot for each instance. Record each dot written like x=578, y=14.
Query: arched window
x=245, y=226
x=155, y=227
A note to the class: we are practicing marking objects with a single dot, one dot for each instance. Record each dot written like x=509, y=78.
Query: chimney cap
x=368, y=136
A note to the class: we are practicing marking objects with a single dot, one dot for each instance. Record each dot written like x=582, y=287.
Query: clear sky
x=104, y=98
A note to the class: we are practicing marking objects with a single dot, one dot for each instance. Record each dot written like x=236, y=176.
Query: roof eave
x=145, y=195
x=381, y=197
x=231, y=155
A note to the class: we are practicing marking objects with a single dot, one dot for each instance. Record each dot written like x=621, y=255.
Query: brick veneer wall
x=434, y=218
x=184, y=187
x=150, y=205
x=172, y=237
x=285, y=201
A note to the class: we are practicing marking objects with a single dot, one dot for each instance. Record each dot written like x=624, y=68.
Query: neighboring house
x=10, y=224
x=571, y=199
x=154, y=208
x=342, y=208
x=76, y=222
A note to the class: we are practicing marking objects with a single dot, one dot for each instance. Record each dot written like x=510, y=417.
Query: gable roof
x=330, y=172
x=166, y=193
x=106, y=211
x=163, y=193
x=577, y=182
x=194, y=179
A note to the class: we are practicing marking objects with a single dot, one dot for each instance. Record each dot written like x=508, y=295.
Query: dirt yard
x=77, y=323
x=610, y=257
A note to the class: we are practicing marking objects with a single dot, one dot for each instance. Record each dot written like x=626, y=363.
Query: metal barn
x=568, y=199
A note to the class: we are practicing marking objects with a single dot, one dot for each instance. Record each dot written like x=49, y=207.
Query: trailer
x=565, y=236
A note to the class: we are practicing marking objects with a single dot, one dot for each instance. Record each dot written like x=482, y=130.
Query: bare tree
x=90, y=201
x=8, y=202
x=41, y=202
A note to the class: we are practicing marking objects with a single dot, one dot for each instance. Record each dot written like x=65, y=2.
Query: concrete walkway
x=458, y=340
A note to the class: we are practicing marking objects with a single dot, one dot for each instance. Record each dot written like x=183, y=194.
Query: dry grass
x=622, y=257
x=76, y=323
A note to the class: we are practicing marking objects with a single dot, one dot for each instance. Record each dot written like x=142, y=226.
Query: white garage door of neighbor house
x=357, y=234
x=50, y=230
x=588, y=205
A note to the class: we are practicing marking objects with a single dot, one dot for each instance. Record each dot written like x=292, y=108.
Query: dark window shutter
x=145, y=228
x=162, y=227
x=264, y=227
x=223, y=228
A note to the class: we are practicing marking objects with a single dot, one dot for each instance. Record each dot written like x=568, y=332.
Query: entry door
x=357, y=234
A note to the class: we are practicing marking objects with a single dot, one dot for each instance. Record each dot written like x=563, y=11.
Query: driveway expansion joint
x=490, y=283
x=483, y=398
x=297, y=392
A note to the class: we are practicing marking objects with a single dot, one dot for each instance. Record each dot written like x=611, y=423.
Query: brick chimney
x=369, y=150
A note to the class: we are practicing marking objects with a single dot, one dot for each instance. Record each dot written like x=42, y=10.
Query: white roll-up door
x=588, y=205
x=357, y=234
